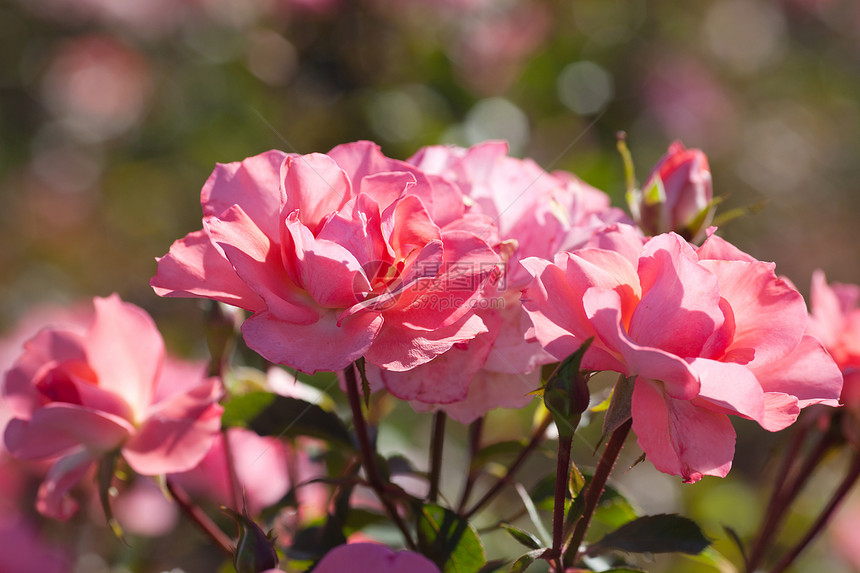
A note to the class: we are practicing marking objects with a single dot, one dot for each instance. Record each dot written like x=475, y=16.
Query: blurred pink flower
x=77, y=394
x=260, y=464
x=373, y=558
x=338, y=256
x=707, y=332
x=143, y=509
x=537, y=214
x=835, y=321
x=97, y=87
x=23, y=549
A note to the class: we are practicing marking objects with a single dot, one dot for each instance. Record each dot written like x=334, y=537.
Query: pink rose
x=338, y=256
x=835, y=321
x=373, y=558
x=707, y=332
x=78, y=394
x=677, y=195
x=538, y=214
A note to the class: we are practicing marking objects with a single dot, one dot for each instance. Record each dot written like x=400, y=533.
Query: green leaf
x=273, y=415
x=524, y=537
x=533, y=515
x=493, y=566
x=654, y=193
x=449, y=540
x=566, y=393
x=497, y=450
x=662, y=533
x=241, y=409
x=525, y=561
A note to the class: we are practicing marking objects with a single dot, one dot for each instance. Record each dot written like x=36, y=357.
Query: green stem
x=840, y=493
x=368, y=454
x=475, y=431
x=200, y=519
x=595, y=487
x=536, y=439
x=437, y=440
x=562, y=474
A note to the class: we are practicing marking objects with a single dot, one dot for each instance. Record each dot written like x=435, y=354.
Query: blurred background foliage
x=113, y=113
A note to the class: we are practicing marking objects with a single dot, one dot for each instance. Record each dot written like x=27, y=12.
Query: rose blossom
x=835, y=321
x=78, y=394
x=338, y=256
x=537, y=214
x=373, y=558
x=707, y=332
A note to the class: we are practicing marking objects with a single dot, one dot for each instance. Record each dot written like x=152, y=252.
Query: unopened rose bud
x=255, y=550
x=677, y=195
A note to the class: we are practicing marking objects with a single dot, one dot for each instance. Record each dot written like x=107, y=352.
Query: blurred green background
x=113, y=113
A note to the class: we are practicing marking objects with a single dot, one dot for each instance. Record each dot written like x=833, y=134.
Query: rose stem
x=437, y=439
x=368, y=455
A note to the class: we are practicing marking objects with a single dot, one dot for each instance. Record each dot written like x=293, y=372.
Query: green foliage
x=566, y=393
x=273, y=415
x=449, y=540
x=662, y=533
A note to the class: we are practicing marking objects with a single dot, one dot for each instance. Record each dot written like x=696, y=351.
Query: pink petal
x=828, y=317
x=387, y=187
x=554, y=308
x=680, y=438
x=125, y=350
x=178, y=432
x=444, y=379
x=780, y=411
x=253, y=184
x=807, y=373
x=603, y=308
x=194, y=267
x=320, y=345
x=53, y=499
x=258, y=262
x=329, y=272
x=412, y=227
x=56, y=428
x=315, y=186
x=400, y=347
x=729, y=388
x=679, y=310
x=718, y=249
x=770, y=315
x=48, y=347
x=373, y=558
x=490, y=390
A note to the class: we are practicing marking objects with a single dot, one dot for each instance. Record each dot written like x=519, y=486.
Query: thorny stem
x=437, y=439
x=199, y=518
x=368, y=459
x=536, y=439
x=475, y=431
x=562, y=474
x=787, y=488
x=595, y=487
x=816, y=528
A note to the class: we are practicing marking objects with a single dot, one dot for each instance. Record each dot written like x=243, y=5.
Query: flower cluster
x=449, y=279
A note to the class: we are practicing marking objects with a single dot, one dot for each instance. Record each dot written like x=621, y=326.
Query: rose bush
x=706, y=332
x=338, y=256
x=78, y=394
